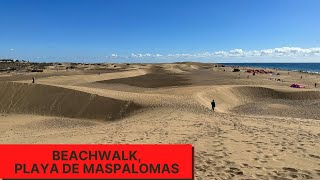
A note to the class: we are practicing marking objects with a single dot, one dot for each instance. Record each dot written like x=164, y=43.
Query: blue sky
x=161, y=30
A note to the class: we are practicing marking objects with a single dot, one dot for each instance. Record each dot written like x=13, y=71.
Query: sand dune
x=180, y=68
x=261, y=129
x=155, y=78
x=174, y=68
x=263, y=92
x=80, y=79
x=231, y=96
x=56, y=101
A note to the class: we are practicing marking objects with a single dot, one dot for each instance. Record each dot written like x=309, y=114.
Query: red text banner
x=96, y=162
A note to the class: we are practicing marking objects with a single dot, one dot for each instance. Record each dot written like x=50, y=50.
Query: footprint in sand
x=314, y=156
x=263, y=161
x=289, y=169
x=234, y=171
x=245, y=165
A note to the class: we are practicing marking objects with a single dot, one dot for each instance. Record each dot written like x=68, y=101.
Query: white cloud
x=114, y=55
x=276, y=52
x=284, y=54
x=147, y=55
x=11, y=49
x=220, y=53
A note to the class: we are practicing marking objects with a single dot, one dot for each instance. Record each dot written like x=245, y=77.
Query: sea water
x=303, y=67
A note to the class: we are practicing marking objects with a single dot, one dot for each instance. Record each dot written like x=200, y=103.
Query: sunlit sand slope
x=264, y=101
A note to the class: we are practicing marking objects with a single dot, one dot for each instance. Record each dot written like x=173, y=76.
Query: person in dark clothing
x=315, y=85
x=33, y=80
x=213, y=104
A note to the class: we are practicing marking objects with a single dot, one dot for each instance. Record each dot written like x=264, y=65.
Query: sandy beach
x=261, y=128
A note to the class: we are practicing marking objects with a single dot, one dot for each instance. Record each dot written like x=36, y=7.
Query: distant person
x=33, y=80
x=301, y=77
x=213, y=104
x=315, y=85
x=254, y=73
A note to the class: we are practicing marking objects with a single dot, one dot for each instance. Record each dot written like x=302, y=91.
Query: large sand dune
x=232, y=96
x=155, y=77
x=56, y=101
x=264, y=101
x=247, y=92
x=261, y=129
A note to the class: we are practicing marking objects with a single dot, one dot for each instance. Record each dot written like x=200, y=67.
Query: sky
x=160, y=30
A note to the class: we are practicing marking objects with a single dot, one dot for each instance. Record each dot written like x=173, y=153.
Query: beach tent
x=297, y=86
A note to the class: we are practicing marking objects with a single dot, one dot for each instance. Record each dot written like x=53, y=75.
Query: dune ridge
x=288, y=94
x=39, y=99
x=229, y=97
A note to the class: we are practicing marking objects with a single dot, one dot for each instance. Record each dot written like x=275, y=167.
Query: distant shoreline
x=312, y=68
x=307, y=67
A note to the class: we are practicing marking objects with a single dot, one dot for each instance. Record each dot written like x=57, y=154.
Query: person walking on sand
x=315, y=85
x=33, y=80
x=213, y=104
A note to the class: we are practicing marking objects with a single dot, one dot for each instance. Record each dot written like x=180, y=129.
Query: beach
x=261, y=127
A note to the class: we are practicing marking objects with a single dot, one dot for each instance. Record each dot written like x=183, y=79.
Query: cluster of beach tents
x=261, y=71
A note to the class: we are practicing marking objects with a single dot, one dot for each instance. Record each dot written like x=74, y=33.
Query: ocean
x=304, y=67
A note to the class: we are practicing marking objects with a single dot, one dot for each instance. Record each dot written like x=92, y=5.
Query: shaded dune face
x=156, y=77
x=56, y=101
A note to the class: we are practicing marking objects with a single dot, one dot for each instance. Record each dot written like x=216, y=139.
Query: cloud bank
x=276, y=52
x=283, y=54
